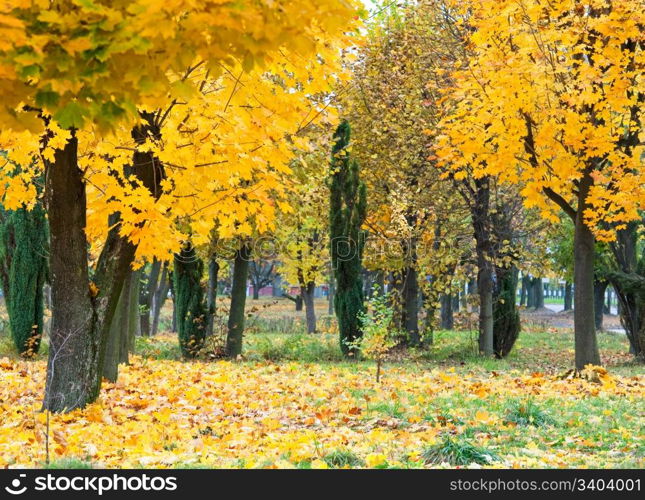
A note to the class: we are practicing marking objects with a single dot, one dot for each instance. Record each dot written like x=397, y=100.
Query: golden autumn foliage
x=548, y=95
x=230, y=108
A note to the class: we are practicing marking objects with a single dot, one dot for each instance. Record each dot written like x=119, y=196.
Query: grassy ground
x=293, y=402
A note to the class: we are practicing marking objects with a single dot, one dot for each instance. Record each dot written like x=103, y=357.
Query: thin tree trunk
x=568, y=296
x=238, y=302
x=447, y=322
x=538, y=293
x=146, y=298
x=112, y=349
x=410, y=309
x=600, y=286
x=160, y=297
x=486, y=320
x=211, y=296
x=330, y=298
x=455, y=301
x=131, y=323
x=307, y=293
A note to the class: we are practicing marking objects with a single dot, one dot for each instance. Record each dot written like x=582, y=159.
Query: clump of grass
x=527, y=412
x=343, y=458
x=394, y=410
x=457, y=452
x=69, y=463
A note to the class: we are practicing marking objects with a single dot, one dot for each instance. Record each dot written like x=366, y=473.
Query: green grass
x=455, y=451
x=69, y=463
x=527, y=412
x=343, y=458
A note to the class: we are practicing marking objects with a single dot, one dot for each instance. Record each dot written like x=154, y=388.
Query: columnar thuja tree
x=550, y=96
x=23, y=270
x=75, y=72
x=347, y=209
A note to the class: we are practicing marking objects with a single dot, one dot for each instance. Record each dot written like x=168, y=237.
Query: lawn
x=442, y=407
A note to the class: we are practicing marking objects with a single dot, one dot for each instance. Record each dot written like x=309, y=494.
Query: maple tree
x=101, y=81
x=550, y=97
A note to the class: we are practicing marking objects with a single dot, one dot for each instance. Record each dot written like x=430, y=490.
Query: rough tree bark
x=538, y=293
x=238, y=301
x=83, y=310
x=584, y=254
x=123, y=327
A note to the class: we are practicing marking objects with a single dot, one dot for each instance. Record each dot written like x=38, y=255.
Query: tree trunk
x=471, y=288
x=256, y=292
x=211, y=295
x=133, y=325
x=123, y=328
x=447, y=322
x=599, y=288
x=146, y=297
x=410, y=309
x=238, y=302
x=160, y=297
x=538, y=293
x=330, y=298
x=486, y=273
x=83, y=310
x=568, y=296
x=486, y=323
x=607, y=306
x=174, y=301
x=307, y=293
x=299, y=302
x=586, y=345
x=428, y=327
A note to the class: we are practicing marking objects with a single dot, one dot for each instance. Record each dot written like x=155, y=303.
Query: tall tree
x=23, y=269
x=347, y=209
x=567, y=136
